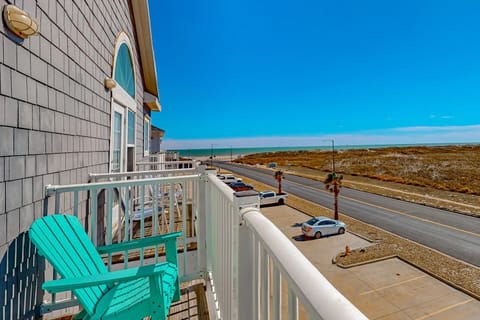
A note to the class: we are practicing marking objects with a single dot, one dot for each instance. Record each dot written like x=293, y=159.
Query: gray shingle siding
x=54, y=109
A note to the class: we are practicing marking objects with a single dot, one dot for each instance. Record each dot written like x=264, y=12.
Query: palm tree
x=279, y=176
x=333, y=183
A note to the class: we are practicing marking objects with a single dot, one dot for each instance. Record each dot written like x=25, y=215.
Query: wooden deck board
x=192, y=304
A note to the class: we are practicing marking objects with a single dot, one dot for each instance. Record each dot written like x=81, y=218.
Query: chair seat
x=130, y=299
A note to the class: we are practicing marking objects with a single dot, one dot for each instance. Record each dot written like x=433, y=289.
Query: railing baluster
x=142, y=220
x=75, y=203
x=256, y=277
x=171, y=209
x=292, y=305
x=277, y=290
x=265, y=287
x=109, y=194
x=57, y=202
x=118, y=231
x=184, y=222
x=93, y=213
x=127, y=215
x=128, y=225
x=155, y=216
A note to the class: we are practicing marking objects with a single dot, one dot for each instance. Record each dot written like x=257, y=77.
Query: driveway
x=390, y=289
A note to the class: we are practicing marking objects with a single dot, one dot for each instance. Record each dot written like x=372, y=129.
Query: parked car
x=271, y=197
x=228, y=178
x=322, y=226
x=240, y=186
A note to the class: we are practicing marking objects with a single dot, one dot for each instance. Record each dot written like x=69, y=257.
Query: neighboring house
x=156, y=139
x=61, y=116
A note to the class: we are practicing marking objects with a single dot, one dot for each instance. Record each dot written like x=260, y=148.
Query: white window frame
x=122, y=99
x=146, y=144
x=134, y=126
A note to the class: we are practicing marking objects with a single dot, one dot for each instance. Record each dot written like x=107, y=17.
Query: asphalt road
x=454, y=234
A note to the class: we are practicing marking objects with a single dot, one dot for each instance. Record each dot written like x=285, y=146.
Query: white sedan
x=322, y=226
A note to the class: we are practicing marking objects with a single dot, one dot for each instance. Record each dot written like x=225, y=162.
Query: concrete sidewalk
x=390, y=289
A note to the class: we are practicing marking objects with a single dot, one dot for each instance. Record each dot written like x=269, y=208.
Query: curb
x=347, y=266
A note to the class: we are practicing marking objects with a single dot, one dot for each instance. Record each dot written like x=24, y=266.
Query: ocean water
x=234, y=152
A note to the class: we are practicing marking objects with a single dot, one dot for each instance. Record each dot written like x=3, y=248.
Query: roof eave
x=143, y=33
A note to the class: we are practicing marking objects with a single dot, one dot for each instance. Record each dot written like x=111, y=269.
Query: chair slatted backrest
x=63, y=242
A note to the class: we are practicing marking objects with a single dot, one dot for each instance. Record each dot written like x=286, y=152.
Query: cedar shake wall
x=54, y=109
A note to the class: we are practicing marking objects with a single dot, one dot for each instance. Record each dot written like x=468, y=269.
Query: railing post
x=247, y=268
x=199, y=214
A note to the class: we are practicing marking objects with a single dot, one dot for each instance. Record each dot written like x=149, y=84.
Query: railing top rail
x=317, y=294
x=166, y=162
x=138, y=173
x=51, y=189
x=220, y=185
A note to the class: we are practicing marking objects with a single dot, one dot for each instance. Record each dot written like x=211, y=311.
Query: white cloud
x=438, y=128
x=405, y=135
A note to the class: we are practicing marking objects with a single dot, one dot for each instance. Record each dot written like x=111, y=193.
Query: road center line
x=415, y=217
x=388, y=209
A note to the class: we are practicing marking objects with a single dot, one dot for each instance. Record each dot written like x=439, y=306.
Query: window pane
x=117, y=142
x=146, y=126
x=131, y=127
x=124, y=70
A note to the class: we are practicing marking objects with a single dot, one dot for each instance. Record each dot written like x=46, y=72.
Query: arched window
x=124, y=74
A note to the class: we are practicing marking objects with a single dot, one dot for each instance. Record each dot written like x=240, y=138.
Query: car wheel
x=280, y=202
x=318, y=235
x=341, y=230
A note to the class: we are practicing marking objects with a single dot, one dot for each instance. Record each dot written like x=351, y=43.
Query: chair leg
x=176, y=295
x=158, y=315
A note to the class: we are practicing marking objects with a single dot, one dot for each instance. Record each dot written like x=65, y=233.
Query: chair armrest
x=139, y=243
x=70, y=284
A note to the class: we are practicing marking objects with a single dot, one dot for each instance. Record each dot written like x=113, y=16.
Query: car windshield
x=312, y=221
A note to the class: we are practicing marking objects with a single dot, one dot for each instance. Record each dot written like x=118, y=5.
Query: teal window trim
x=124, y=74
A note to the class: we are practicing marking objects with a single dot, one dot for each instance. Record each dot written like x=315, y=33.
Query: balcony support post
x=247, y=289
x=247, y=263
x=200, y=216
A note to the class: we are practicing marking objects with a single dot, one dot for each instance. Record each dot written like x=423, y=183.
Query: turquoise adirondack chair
x=132, y=293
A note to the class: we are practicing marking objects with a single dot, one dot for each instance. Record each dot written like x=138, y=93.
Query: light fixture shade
x=110, y=83
x=19, y=22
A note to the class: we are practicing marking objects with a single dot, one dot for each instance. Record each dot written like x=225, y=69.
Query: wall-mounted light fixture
x=19, y=22
x=110, y=83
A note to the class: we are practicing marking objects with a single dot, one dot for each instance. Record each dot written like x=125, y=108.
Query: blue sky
x=278, y=73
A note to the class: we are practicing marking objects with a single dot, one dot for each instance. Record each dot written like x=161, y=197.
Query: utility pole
x=333, y=182
x=333, y=155
x=211, y=156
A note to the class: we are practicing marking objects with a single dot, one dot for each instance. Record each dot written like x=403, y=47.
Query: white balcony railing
x=242, y=256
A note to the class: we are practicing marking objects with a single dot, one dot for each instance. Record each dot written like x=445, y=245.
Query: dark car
x=240, y=186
